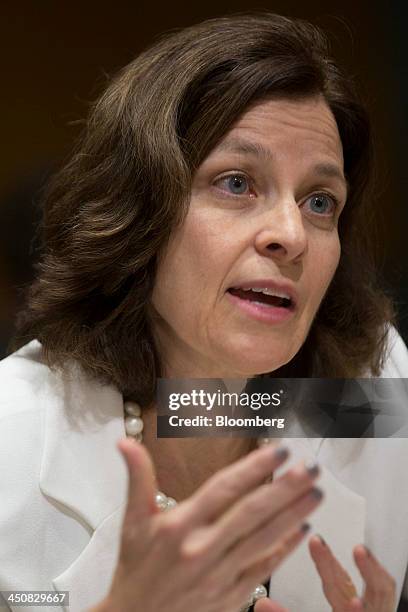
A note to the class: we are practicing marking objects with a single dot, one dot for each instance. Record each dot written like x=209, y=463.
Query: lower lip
x=261, y=312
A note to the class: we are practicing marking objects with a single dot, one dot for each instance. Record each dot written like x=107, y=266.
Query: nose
x=282, y=231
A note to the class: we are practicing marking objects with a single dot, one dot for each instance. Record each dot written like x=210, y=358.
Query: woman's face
x=263, y=214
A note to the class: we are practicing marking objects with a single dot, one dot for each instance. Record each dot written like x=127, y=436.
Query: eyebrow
x=247, y=147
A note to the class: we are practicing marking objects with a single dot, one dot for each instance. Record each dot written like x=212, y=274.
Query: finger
x=141, y=481
x=280, y=551
x=262, y=542
x=267, y=605
x=262, y=570
x=356, y=605
x=380, y=586
x=257, y=508
x=241, y=581
x=223, y=489
x=336, y=582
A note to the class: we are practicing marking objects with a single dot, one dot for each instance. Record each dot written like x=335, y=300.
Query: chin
x=255, y=363
x=251, y=355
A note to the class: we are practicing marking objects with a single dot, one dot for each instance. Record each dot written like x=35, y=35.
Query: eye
x=235, y=184
x=323, y=203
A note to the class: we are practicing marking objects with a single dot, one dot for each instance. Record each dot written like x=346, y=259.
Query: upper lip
x=268, y=283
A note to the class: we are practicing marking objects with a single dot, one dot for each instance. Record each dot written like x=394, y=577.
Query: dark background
x=55, y=57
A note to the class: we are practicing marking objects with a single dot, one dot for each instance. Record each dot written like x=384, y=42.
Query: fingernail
x=321, y=538
x=367, y=551
x=305, y=527
x=312, y=468
x=281, y=453
x=316, y=493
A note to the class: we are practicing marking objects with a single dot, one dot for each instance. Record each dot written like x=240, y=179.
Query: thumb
x=141, y=481
x=267, y=605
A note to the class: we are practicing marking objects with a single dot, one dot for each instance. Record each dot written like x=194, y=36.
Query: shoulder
x=22, y=380
x=396, y=356
x=29, y=392
x=22, y=442
x=23, y=376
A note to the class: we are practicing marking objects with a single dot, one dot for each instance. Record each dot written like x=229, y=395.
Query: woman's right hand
x=208, y=553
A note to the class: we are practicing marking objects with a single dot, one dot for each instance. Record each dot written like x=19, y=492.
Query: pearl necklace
x=134, y=429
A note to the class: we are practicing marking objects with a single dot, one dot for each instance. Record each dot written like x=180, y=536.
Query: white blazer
x=63, y=489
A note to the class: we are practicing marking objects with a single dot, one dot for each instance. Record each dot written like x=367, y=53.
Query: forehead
x=287, y=127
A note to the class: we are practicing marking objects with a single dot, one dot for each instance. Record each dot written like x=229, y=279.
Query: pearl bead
x=133, y=425
x=138, y=437
x=133, y=409
x=259, y=592
x=171, y=503
x=161, y=500
x=263, y=441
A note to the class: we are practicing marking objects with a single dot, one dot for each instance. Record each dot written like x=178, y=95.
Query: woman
x=229, y=158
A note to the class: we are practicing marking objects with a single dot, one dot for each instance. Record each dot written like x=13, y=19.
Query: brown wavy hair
x=109, y=211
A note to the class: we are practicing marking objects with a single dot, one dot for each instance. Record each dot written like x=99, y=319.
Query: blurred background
x=56, y=57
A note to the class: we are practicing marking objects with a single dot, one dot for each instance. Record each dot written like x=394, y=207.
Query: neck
x=184, y=464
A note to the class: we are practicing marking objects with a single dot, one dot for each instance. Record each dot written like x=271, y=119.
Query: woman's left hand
x=380, y=588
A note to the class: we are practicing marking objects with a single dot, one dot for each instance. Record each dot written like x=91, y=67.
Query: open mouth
x=262, y=299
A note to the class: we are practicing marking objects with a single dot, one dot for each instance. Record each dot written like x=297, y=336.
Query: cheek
x=191, y=270
x=328, y=256
x=204, y=251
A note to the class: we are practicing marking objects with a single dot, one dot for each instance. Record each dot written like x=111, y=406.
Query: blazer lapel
x=83, y=470
x=340, y=520
x=89, y=577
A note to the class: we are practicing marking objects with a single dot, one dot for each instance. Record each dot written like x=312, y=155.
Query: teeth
x=268, y=291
